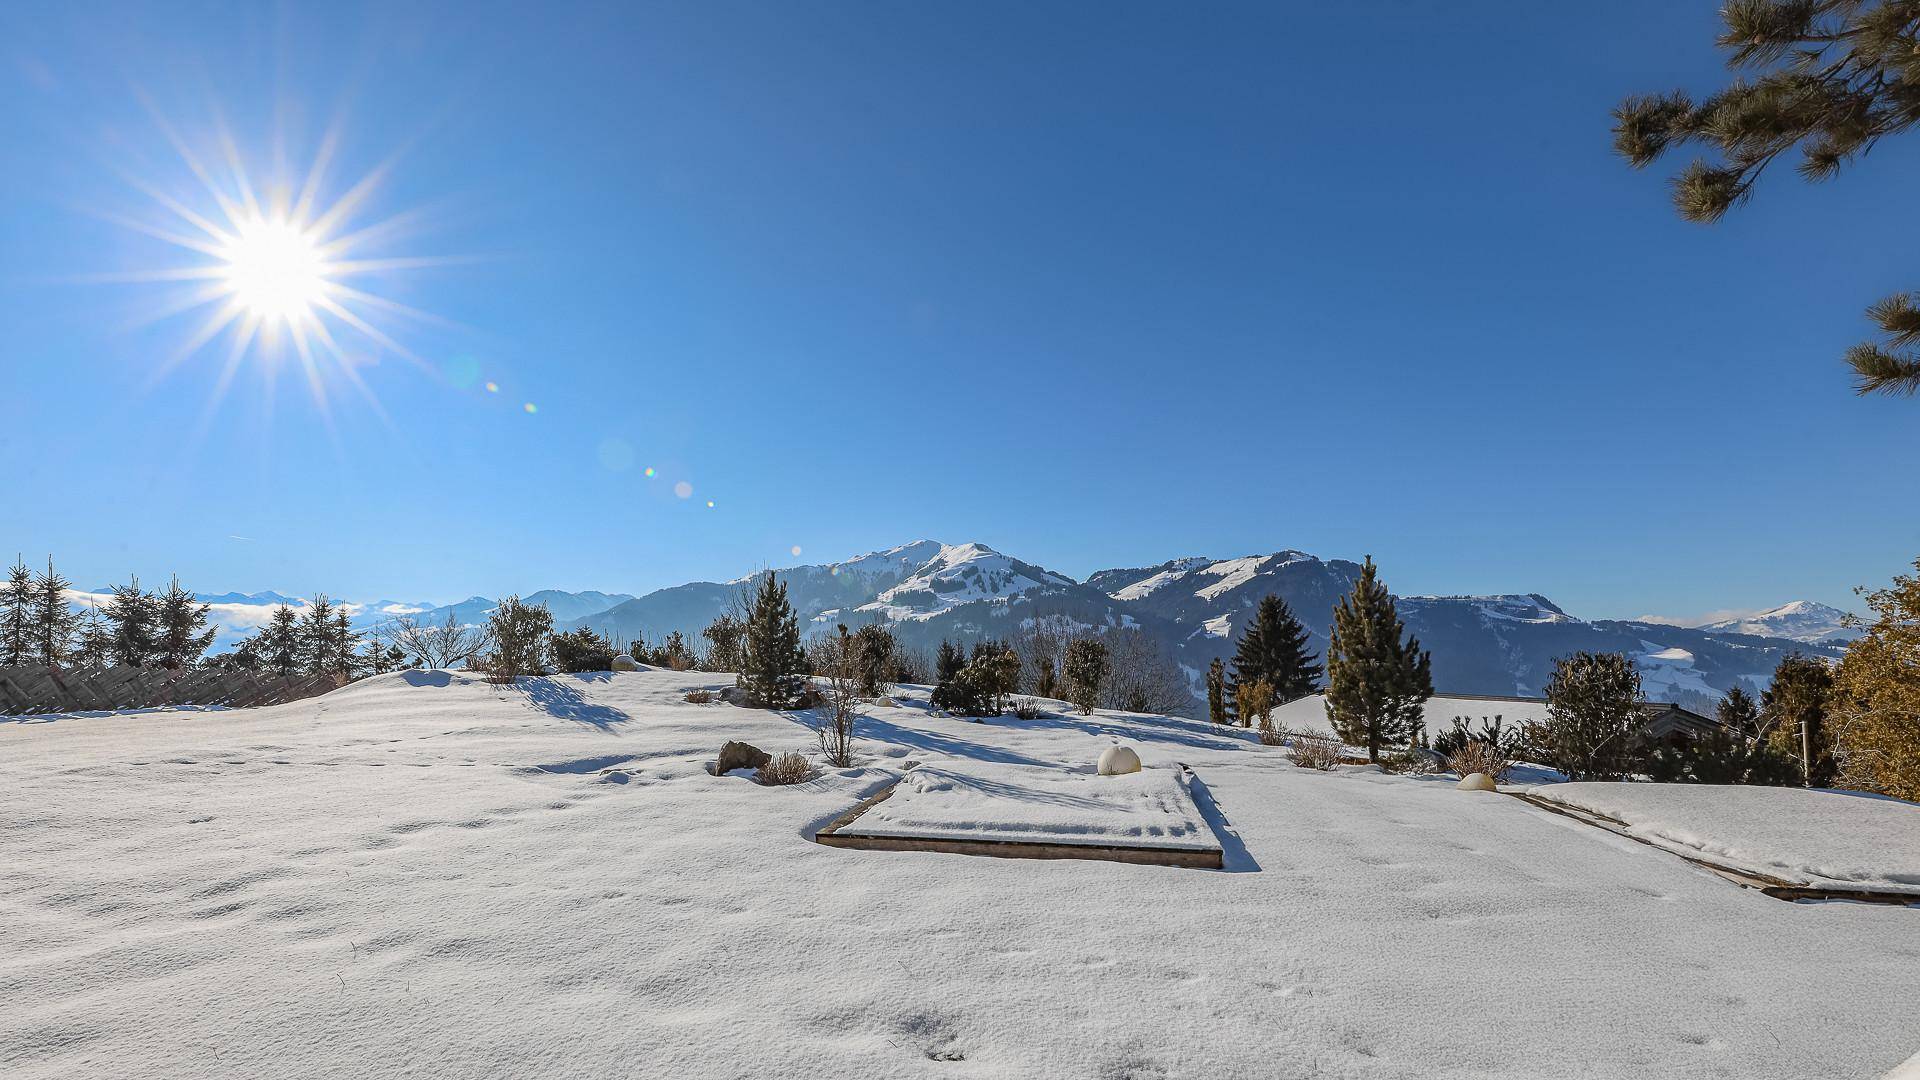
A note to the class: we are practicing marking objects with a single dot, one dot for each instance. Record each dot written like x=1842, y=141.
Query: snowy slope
x=423, y=875
x=961, y=574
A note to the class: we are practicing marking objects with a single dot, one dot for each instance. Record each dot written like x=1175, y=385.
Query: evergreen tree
x=318, y=649
x=54, y=620
x=1377, y=681
x=948, y=693
x=771, y=674
x=724, y=636
x=1595, y=716
x=133, y=616
x=182, y=636
x=277, y=644
x=1274, y=651
x=873, y=658
x=1794, y=708
x=519, y=634
x=1084, y=670
x=346, y=644
x=94, y=640
x=582, y=649
x=1833, y=77
x=1217, y=692
x=1739, y=714
x=16, y=615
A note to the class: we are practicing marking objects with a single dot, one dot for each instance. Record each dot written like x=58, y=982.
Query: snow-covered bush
x=787, y=768
x=1315, y=750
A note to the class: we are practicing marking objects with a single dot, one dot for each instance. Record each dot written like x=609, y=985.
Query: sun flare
x=274, y=270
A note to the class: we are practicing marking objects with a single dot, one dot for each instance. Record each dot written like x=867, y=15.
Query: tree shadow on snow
x=567, y=703
x=419, y=677
x=880, y=730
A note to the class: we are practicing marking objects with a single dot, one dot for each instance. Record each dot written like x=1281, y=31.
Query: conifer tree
x=180, y=625
x=16, y=615
x=724, y=635
x=948, y=694
x=54, y=620
x=1794, y=708
x=278, y=642
x=519, y=635
x=131, y=611
x=1274, y=651
x=317, y=648
x=1831, y=79
x=1739, y=714
x=1084, y=669
x=772, y=671
x=1378, y=681
x=1217, y=692
x=94, y=640
x=346, y=644
x=1595, y=716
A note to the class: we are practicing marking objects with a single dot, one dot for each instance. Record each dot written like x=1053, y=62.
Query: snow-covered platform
x=1035, y=812
x=1788, y=842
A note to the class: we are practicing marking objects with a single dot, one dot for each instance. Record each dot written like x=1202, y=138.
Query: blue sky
x=1095, y=284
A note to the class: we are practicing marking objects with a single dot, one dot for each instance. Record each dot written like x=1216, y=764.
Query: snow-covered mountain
x=1196, y=607
x=1799, y=620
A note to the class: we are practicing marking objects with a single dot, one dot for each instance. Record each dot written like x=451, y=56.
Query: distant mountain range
x=1196, y=607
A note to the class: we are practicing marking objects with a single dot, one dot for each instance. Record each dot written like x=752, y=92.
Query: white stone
x=1115, y=760
x=1478, y=781
x=624, y=662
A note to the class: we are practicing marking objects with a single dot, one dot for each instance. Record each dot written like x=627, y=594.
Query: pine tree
x=1217, y=692
x=182, y=636
x=1274, y=651
x=16, y=615
x=1595, y=716
x=346, y=645
x=132, y=614
x=723, y=635
x=772, y=675
x=316, y=638
x=1084, y=670
x=520, y=634
x=54, y=620
x=1739, y=714
x=1377, y=682
x=94, y=640
x=948, y=691
x=1794, y=709
x=278, y=643
x=1833, y=78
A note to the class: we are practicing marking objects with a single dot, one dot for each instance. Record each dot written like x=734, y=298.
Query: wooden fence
x=40, y=689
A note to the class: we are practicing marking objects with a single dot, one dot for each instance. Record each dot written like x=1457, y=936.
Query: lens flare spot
x=493, y=388
x=683, y=489
x=531, y=408
x=796, y=551
x=709, y=504
x=648, y=471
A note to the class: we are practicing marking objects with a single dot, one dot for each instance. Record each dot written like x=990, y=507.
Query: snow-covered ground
x=421, y=875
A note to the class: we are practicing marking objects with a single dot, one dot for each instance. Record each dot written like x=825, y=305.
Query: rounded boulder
x=1118, y=760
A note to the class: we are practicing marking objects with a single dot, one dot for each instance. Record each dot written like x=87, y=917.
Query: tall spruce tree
x=1831, y=79
x=1739, y=714
x=181, y=624
x=54, y=620
x=1217, y=691
x=318, y=651
x=1794, y=708
x=1084, y=670
x=16, y=615
x=1378, y=680
x=131, y=612
x=1595, y=716
x=1274, y=651
x=772, y=667
x=278, y=643
x=93, y=641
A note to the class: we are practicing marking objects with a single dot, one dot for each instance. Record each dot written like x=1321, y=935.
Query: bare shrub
x=1144, y=677
x=787, y=768
x=1315, y=750
x=840, y=699
x=1027, y=709
x=698, y=697
x=1480, y=756
x=1271, y=735
x=1413, y=761
x=435, y=647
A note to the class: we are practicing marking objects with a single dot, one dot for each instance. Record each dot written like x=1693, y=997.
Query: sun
x=275, y=271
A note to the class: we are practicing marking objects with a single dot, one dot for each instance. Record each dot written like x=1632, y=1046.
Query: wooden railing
x=39, y=689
